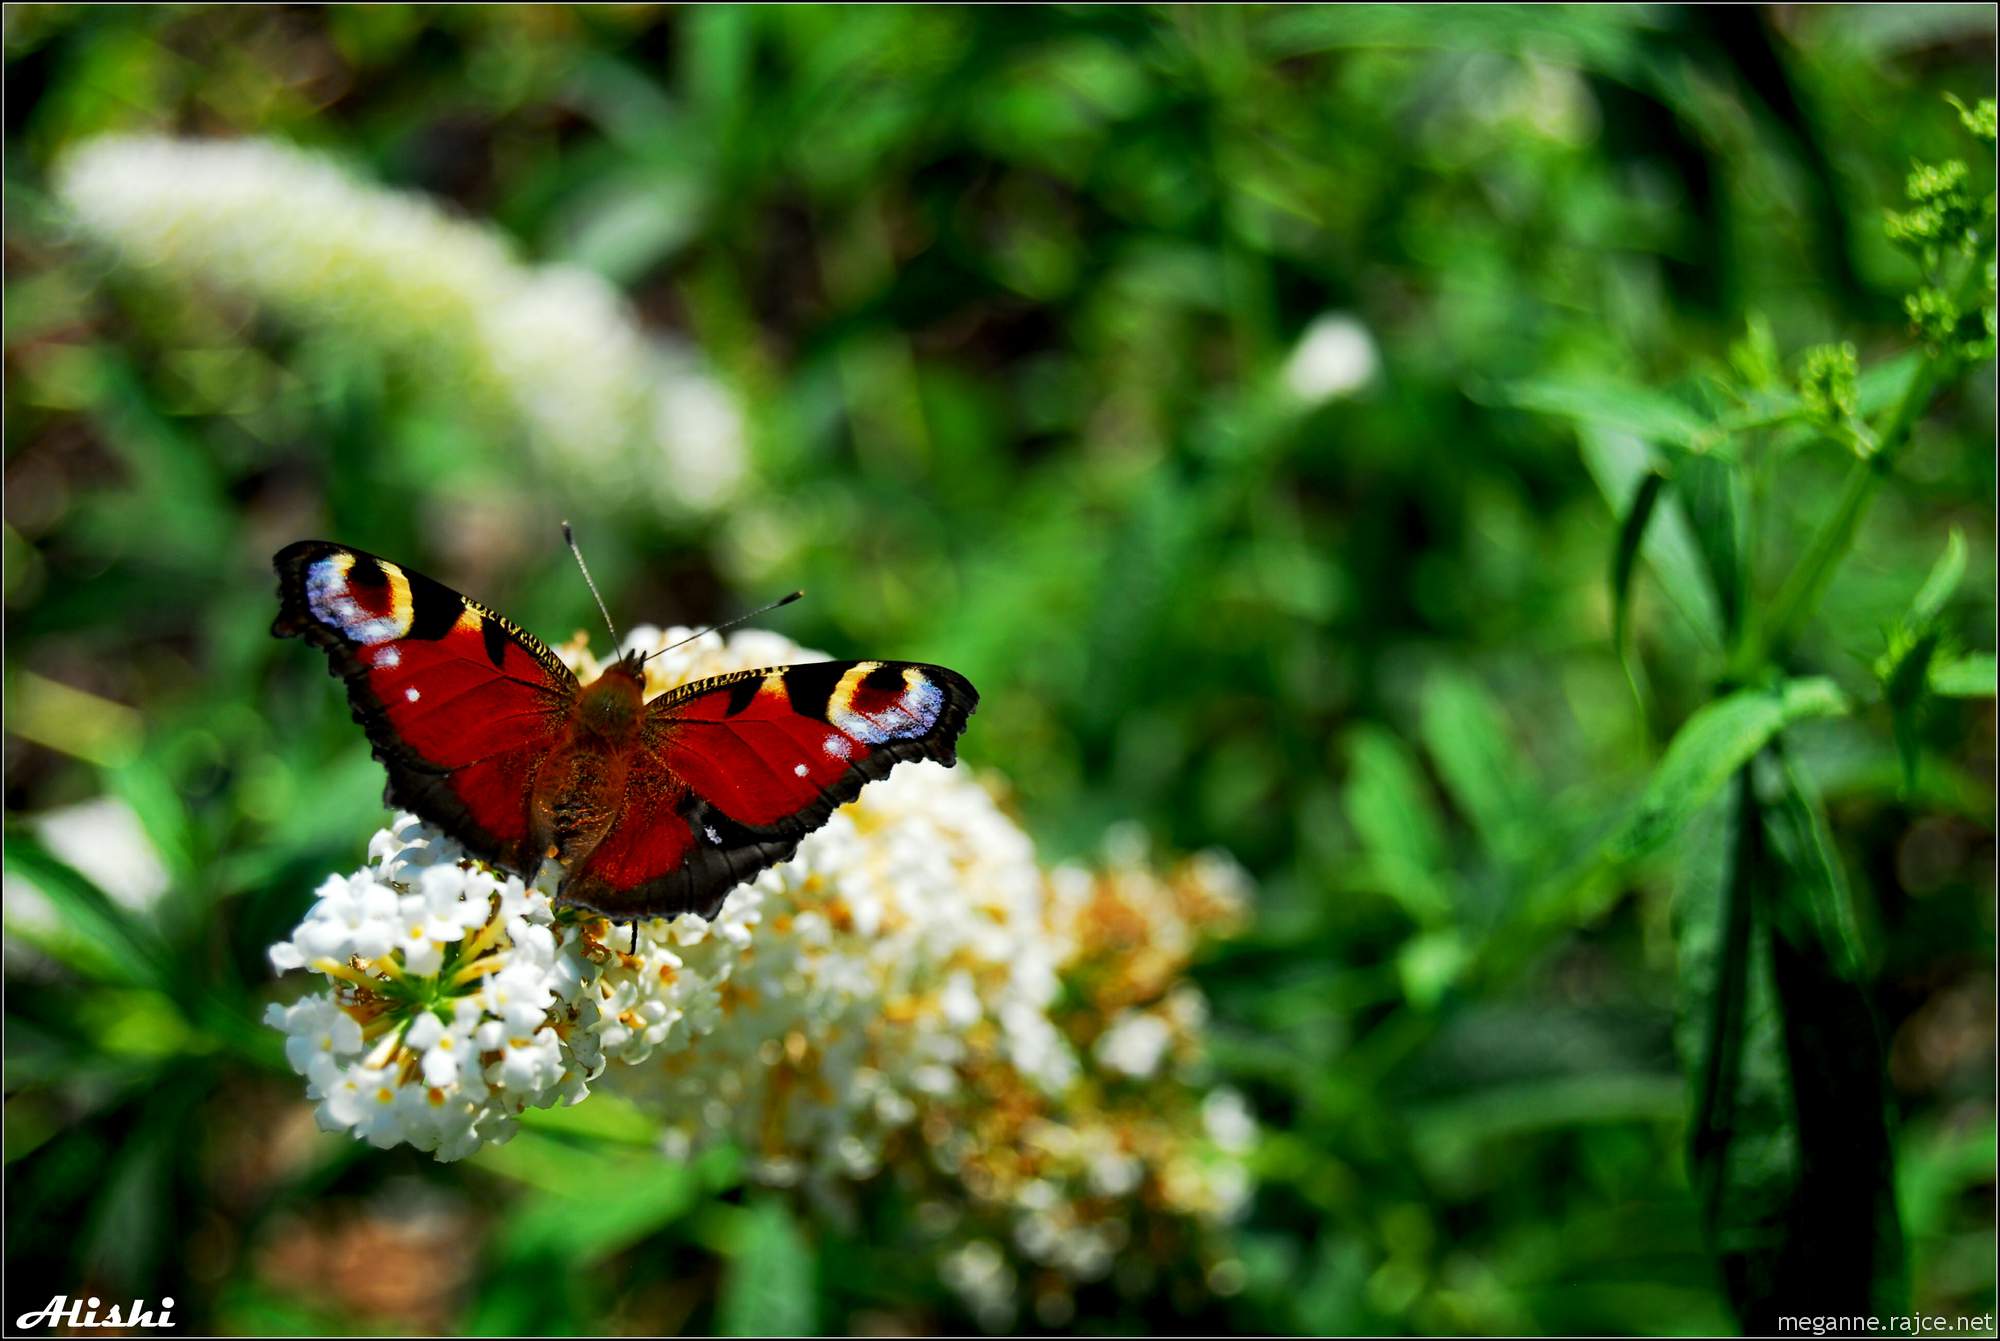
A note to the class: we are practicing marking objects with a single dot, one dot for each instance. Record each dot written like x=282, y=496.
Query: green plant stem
x=1807, y=581
x=1797, y=598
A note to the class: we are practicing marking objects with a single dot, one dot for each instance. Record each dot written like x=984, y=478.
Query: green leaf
x=1941, y=582
x=769, y=1289
x=1708, y=488
x=1618, y=462
x=1711, y=745
x=609, y=1116
x=1908, y=679
x=145, y=786
x=1463, y=730
x=1886, y=383
x=1844, y=1241
x=1631, y=531
x=1796, y=821
x=1788, y=1140
x=90, y=932
x=582, y=1201
x=1939, y=1163
x=1429, y=963
x=1970, y=676
x=1913, y=645
x=1741, y=1155
x=1390, y=806
x=1624, y=407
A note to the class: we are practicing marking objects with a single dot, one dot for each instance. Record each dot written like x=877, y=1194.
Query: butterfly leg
x=635, y=935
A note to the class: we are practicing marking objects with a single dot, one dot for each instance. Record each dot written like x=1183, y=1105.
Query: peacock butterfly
x=654, y=808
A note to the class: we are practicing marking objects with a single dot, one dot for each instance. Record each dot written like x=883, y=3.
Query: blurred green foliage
x=1009, y=298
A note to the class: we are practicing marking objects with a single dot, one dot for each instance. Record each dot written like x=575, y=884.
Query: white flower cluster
x=292, y=230
x=452, y=1004
x=892, y=998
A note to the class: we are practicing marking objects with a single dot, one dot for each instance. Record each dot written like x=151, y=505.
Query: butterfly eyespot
x=367, y=600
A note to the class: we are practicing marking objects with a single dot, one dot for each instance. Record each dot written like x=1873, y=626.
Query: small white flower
x=1228, y=1121
x=1134, y=1044
x=1335, y=356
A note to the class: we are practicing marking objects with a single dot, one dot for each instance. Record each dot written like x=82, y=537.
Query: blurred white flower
x=104, y=840
x=1334, y=357
x=1135, y=1044
x=979, y=1273
x=607, y=405
x=1228, y=1121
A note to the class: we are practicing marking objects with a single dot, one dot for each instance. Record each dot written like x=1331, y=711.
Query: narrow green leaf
x=143, y=785
x=1788, y=1143
x=1941, y=582
x=1708, y=489
x=769, y=1289
x=1913, y=645
x=1631, y=531
x=1618, y=462
x=1970, y=676
x=1796, y=821
x=1741, y=1156
x=1908, y=679
x=1463, y=731
x=1622, y=406
x=1390, y=806
x=1711, y=745
x=1844, y=1241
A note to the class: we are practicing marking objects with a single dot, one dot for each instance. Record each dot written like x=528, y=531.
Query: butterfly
x=653, y=808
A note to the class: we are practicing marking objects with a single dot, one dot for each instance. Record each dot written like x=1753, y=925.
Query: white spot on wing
x=799, y=770
x=387, y=657
x=838, y=746
x=411, y=695
x=713, y=836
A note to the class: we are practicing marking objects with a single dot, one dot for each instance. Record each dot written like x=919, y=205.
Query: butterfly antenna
x=716, y=628
x=569, y=538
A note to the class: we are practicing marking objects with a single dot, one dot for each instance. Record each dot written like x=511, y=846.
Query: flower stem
x=1806, y=583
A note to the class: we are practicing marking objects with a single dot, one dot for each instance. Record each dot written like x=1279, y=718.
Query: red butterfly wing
x=460, y=705
x=732, y=772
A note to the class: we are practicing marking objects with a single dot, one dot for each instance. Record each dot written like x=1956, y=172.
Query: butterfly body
x=653, y=808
